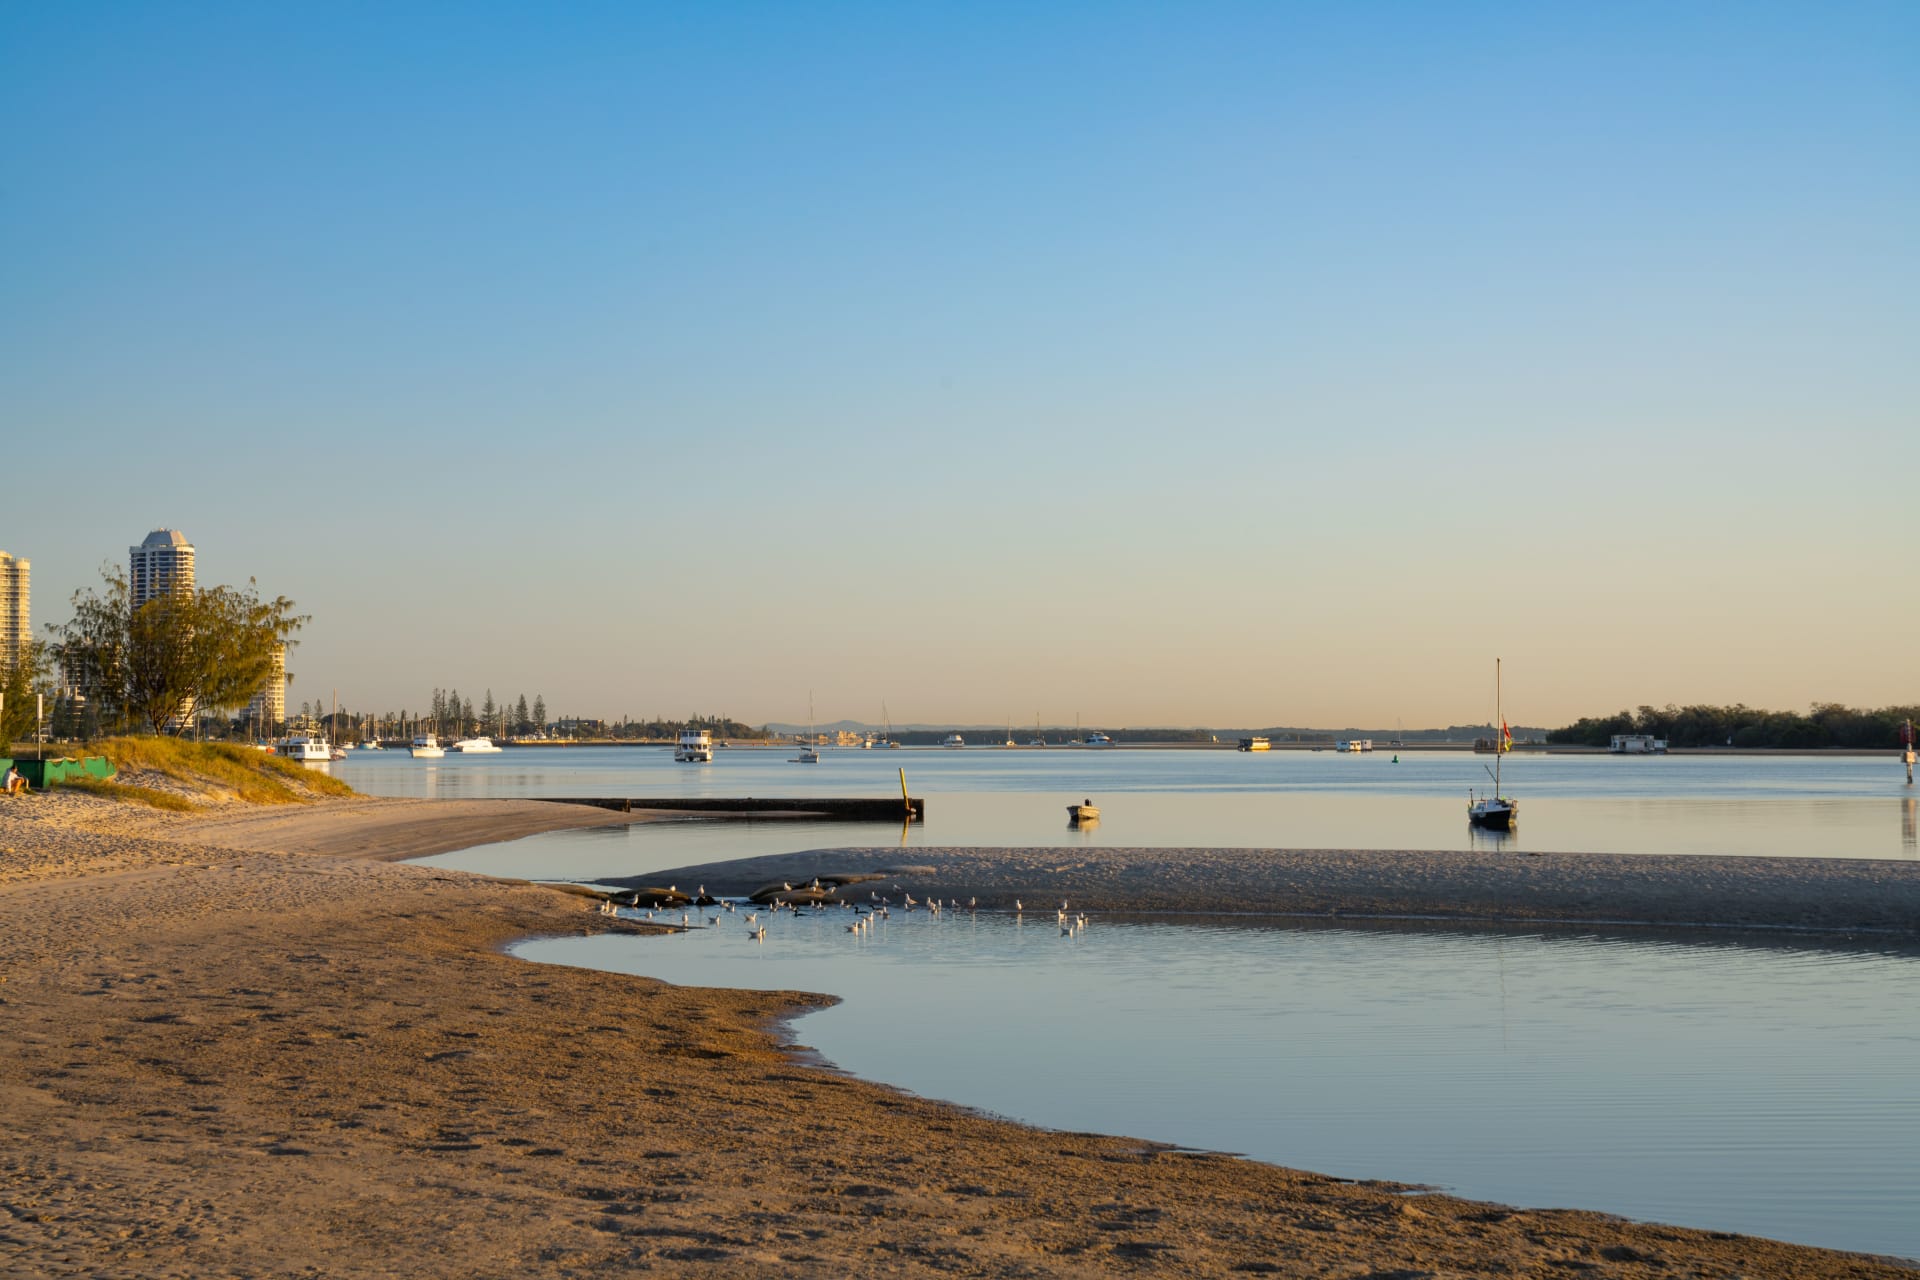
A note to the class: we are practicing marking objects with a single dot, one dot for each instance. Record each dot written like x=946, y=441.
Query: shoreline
x=224, y=1059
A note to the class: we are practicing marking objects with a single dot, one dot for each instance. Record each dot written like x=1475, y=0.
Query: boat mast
x=1499, y=730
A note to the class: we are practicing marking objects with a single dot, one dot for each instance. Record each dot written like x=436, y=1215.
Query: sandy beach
x=250, y=1044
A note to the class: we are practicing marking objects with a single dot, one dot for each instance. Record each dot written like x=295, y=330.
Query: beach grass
x=249, y=775
x=150, y=796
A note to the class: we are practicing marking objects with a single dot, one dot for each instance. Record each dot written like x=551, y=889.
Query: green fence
x=51, y=773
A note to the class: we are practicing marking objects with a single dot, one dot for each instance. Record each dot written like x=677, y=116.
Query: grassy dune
x=210, y=769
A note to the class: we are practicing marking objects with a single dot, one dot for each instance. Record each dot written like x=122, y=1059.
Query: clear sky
x=1183, y=363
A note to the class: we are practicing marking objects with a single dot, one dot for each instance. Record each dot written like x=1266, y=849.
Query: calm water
x=1732, y=1084
x=1723, y=1084
x=1781, y=805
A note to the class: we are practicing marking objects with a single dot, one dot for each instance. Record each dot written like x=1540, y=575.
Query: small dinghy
x=1081, y=814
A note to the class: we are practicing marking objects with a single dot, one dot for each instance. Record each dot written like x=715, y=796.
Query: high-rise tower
x=16, y=628
x=162, y=563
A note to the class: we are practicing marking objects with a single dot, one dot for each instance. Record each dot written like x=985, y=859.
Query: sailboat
x=1495, y=812
x=809, y=754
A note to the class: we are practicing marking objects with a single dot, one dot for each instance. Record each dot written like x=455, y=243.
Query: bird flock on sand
x=862, y=916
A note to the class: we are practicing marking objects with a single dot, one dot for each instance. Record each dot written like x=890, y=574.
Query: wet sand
x=219, y=1060
x=1821, y=894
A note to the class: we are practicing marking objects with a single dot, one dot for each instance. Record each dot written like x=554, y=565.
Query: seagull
x=1017, y=908
x=757, y=934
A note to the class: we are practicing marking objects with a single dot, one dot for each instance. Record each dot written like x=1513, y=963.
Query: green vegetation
x=1828, y=724
x=18, y=685
x=249, y=775
x=210, y=648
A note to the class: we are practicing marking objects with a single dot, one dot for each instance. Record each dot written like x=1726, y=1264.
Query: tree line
x=448, y=714
x=1827, y=724
x=189, y=653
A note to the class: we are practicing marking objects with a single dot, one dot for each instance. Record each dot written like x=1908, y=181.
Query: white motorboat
x=1098, y=739
x=427, y=747
x=306, y=746
x=475, y=747
x=695, y=747
x=953, y=740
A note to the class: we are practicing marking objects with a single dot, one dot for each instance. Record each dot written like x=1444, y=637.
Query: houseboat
x=1255, y=744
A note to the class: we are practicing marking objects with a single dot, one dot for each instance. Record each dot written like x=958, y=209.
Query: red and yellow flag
x=1506, y=737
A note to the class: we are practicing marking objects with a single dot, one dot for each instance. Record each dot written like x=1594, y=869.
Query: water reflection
x=1908, y=825
x=1747, y=1082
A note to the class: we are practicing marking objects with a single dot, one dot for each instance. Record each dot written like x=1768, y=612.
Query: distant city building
x=270, y=704
x=162, y=563
x=16, y=628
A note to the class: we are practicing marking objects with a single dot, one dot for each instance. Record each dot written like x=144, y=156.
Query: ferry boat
x=953, y=740
x=306, y=746
x=427, y=747
x=1355, y=744
x=695, y=747
x=1255, y=744
x=475, y=746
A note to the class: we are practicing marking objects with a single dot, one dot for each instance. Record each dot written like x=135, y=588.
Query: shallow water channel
x=1736, y=1082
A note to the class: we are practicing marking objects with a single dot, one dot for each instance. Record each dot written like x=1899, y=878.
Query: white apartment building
x=16, y=627
x=162, y=563
x=270, y=704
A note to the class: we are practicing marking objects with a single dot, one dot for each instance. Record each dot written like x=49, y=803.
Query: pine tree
x=539, y=713
x=488, y=711
x=521, y=716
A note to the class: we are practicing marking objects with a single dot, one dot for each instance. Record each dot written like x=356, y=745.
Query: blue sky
x=1157, y=363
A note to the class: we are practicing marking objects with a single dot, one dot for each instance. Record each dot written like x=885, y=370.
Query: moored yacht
x=953, y=740
x=1098, y=739
x=427, y=747
x=304, y=745
x=1495, y=812
x=475, y=746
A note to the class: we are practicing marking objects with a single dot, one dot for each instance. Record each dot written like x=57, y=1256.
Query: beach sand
x=245, y=1045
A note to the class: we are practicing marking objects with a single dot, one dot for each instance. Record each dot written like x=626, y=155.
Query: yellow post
x=905, y=799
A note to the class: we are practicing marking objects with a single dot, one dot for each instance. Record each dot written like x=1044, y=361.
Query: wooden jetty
x=850, y=809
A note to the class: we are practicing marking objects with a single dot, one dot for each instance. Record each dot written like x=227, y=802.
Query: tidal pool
x=1733, y=1082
